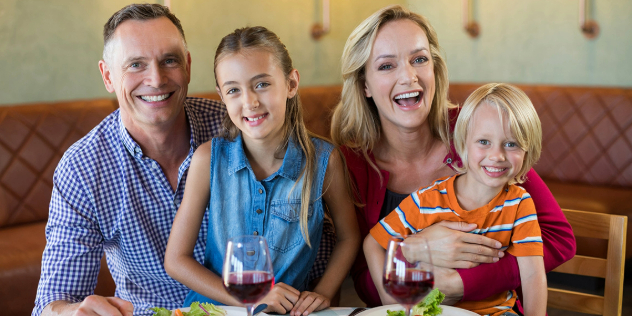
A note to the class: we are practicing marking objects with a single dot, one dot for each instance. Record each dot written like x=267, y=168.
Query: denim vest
x=241, y=205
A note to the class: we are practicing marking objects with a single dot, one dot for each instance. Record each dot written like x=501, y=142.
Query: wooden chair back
x=602, y=226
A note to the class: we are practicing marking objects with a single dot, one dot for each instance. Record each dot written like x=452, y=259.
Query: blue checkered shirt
x=109, y=197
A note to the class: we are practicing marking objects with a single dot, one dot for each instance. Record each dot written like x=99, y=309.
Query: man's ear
x=293, y=80
x=106, y=74
x=189, y=66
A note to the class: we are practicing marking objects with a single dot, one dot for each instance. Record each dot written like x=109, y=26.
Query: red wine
x=409, y=289
x=249, y=287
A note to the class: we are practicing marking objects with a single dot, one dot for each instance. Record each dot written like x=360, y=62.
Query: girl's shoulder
x=322, y=144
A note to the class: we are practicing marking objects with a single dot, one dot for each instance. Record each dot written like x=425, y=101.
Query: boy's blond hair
x=512, y=103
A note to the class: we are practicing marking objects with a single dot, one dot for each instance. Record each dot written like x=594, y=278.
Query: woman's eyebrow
x=414, y=51
x=384, y=56
x=417, y=50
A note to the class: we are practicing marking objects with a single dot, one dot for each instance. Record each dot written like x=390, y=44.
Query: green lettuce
x=394, y=313
x=197, y=311
x=430, y=305
x=160, y=311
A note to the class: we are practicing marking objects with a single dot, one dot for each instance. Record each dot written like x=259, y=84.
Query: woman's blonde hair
x=259, y=37
x=513, y=104
x=355, y=121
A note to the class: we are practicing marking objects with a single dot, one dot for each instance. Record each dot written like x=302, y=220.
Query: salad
x=428, y=307
x=197, y=309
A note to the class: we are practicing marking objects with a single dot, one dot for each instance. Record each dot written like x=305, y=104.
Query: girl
x=267, y=176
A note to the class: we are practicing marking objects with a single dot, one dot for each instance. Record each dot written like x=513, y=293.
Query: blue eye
x=483, y=141
x=511, y=145
x=262, y=85
x=385, y=67
x=135, y=65
x=419, y=60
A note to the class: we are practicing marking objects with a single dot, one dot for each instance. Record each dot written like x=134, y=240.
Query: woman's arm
x=179, y=261
x=558, y=243
x=363, y=179
x=340, y=203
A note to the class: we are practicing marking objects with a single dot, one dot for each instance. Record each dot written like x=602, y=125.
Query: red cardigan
x=557, y=235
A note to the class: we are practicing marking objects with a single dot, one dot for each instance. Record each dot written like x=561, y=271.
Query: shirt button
x=259, y=211
x=449, y=160
x=260, y=191
x=255, y=233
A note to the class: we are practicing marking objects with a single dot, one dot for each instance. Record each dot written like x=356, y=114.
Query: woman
x=394, y=124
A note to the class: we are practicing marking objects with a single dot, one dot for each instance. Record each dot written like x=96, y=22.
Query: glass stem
x=250, y=308
x=409, y=310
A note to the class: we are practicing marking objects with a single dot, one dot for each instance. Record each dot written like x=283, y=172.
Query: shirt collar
x=194, y=125
x=134, y=148
x=290, y=169
x=129, y=143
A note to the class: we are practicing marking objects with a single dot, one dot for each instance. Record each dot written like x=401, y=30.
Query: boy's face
x=493, y=155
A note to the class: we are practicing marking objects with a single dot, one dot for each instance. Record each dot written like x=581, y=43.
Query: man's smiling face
x=148, y=67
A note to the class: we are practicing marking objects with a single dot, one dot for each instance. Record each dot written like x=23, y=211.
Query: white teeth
x=154, y=98
x=407, y=95
x=255, y=119
x=492, y=169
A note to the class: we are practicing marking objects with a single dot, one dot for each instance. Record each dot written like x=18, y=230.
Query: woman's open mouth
x=409, y=99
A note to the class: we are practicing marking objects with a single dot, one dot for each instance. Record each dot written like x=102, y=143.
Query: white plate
x=230, y=311
x=447, y=311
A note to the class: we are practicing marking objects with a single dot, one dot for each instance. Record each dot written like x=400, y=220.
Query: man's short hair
x=139, y=12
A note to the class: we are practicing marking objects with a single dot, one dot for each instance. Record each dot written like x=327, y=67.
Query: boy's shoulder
x=440, y=186
x=517, y=190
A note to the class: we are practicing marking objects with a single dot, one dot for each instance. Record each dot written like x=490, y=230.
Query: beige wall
x=49, y=49
x=534, y=41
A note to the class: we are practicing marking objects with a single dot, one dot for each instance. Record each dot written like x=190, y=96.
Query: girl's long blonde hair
x=259, y=37
x=355, y=121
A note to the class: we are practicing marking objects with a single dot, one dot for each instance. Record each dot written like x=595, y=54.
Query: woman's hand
x=281, y=299
x=452, y=247
x=309, y=302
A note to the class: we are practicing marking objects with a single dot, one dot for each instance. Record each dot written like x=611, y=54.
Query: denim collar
x=133, y=147
x=290, y=169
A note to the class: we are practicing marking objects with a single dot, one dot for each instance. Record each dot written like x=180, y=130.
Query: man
x=117, y=189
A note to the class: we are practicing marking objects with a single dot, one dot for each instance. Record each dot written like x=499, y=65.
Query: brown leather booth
x=33, y=137
x=586, y=161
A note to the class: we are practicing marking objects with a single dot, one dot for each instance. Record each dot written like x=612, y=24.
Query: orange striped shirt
x=510, y=218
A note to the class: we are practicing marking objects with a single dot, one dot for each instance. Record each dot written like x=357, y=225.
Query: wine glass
x=408, y=276
x=247, y=271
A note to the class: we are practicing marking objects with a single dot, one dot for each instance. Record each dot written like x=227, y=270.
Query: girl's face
x=493, y=155
x=400, y=75
x=255, y=91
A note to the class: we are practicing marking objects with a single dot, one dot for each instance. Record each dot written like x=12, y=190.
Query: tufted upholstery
x=32, y=140
x=586, y=161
